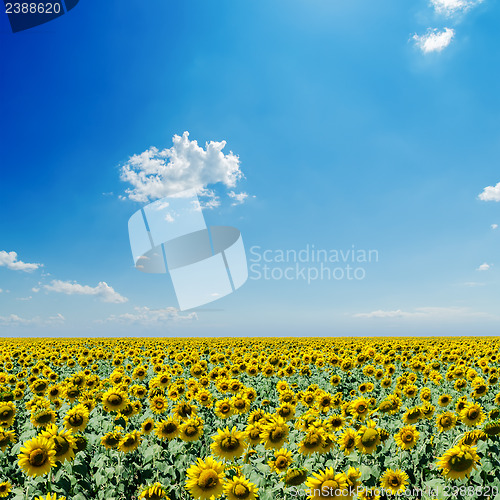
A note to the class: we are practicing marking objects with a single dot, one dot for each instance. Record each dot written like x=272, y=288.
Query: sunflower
x=446, y=421
x=286, y=411
x=147, y=426
x=7, y=413
x=153, y=492
x=347, y=441
x=334, y=422
x=77, y=418
x=360, y=408
x=37, y=456
x=282, y=460
x=326, y=484
x=205, y=479
x=184, y=411
x=111, y=439
x=313, y=441
x=412, y=415
x=253, y=433
x=444, y=400
x=239, y=488
x=368, y=494
x=158, y=404
x=407, y=437
x=274, y=433
x=458, y=462
x=191, y=430
x=240, y=403
x=205, y=398
x=491, y=428
x=5, y=489
x=6, y=438
x=394, y=481
x=228, y=444
x=130, y=442
x=63, y=441
x=51, y=496
x=114, y=400
x=368, y=438
x=223, y=408
x=472, y=415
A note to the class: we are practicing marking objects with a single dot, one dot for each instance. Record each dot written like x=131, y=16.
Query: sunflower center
x=349, y=443
x=329, y=486
x=208, y=479
x=129, y=441
x=61, y=445
x=225, y=408
x=43, y=418
x=191, y=430
x=38, y=458
x=394, y=481
x=6, y=412
x=241, y=491
x=281, y=462
x=229, y=443
x=115, y=400
x=408, y=437
x=472, y=414
x=277, y=434
x=312, y=441
x=75, y=420
x=369, y=437
x=462, y=462
x=446, y=421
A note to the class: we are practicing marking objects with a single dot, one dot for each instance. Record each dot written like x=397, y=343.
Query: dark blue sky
x=347, y=131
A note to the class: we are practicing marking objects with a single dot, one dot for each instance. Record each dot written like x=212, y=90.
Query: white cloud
x=423, y=313
x=484, y=267
x=150, y=317
x=238, y=198
x=15, y=320
x=473, y=284
x=102, y=290
x=494, y=226
x=449, y=7
x=9, y=259
x=491, y=193
x=25, y=298
x=434, y=40
x=155, y=173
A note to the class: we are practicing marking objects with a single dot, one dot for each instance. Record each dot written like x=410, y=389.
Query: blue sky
x=354, y=123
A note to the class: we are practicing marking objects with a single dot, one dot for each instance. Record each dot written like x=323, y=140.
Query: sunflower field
x=241, y=419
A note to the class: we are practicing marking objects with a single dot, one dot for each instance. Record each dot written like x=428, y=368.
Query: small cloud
x=9, y=259
x=494, y=226
x=484, y=267
x=238, y=198
x=150, y=317
x=473, y=284
x=15, y=320
x=450, y=7
x=25, y=298
x=105, y=292
x=491, y=193
x=169, y=218
x=110, y=193
x=424, y=313
x=434, y=40
x=35, y=289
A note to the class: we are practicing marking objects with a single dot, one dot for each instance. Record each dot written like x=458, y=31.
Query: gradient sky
x=373, y=124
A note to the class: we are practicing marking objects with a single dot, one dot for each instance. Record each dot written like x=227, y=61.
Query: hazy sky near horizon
x=341, y=127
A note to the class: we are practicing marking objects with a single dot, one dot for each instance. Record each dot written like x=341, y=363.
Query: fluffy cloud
x=156, y=173
x=484, y=267
x=15, y=320
x=102, y=290
x=423, y=312
x=238, y=198
x=449, y=7
x=434, y=40
x=151, y=317
x=9, y=259
x=494, y=226
x=491, y=193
